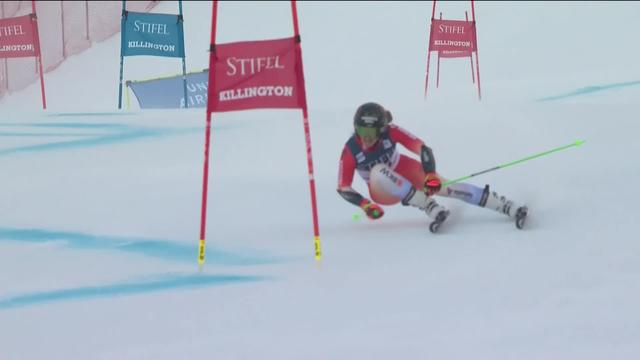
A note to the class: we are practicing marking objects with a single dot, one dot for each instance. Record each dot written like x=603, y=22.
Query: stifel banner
x=152, y=35
x=453, y=39
x=453, y=35
x=19, y=38
x=256, y=74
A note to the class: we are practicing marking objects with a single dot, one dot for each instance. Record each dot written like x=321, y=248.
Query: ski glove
x=373, y=210
x=432, y=184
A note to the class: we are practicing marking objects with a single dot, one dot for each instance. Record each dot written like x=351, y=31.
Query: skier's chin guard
x=386, y=186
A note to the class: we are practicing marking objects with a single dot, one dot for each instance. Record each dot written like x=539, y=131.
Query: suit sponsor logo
x=459, y=193
x=392, y=176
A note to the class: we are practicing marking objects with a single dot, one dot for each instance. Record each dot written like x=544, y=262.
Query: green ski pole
x=577, y=143
x=357, y=217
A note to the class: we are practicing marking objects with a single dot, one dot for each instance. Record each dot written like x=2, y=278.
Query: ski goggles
x=367, y=131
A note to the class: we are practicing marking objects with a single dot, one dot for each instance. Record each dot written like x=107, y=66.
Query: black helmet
x=371, y=115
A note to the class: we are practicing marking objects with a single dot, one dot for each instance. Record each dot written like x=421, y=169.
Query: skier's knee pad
x=386, y=186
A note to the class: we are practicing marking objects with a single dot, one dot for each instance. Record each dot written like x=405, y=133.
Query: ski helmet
x=371, y=118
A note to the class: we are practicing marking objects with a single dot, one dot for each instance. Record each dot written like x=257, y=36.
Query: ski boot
x=521, y=216
x=491, y=200
x=440, y=218
x=427, y=204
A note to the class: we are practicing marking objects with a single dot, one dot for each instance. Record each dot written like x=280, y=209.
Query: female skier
x=392, y=177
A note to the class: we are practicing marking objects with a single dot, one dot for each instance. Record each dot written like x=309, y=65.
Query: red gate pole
x=473, y=78
x=6, y=64
x=207, y=143
x=438, y=72
x=475, y=36
x=426, y=82
x=64, y=51
x=36, y=42
x=307, y=136
x=86, y=16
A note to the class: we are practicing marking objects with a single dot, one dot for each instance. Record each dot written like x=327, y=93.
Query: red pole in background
x=473, y=78
x=86, y=16
x=475, y=35
x=207, y=143
x=36, y=41
x=64, y=51
x=438, y=71
x=426, y=82
x=307, y=136
x=6, y=61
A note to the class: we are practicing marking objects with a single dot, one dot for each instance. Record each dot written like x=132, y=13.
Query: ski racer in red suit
x=396, y=178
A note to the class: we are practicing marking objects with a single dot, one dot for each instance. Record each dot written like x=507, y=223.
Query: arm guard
x=428, y=161
x=351, y=196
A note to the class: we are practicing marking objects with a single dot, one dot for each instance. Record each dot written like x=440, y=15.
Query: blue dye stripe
x=81, y=143
x=117, y=133
x=155, y=248
x=162, y=283
x=94, y=114
x=27, y=134
x=65, y=125
x=590, y=90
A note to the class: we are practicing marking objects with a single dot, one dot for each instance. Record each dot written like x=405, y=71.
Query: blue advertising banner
x=166, y=93
x=152, y=34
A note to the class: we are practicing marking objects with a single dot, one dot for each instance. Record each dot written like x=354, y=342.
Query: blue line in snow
x=155, y=248
x=65, y=125
x=31, y=134
x=91, y=141
x=161, y=283
x=115, y=133
x=93, y=114
x=590, y=89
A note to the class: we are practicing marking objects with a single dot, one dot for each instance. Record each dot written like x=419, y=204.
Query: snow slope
x=100, y=208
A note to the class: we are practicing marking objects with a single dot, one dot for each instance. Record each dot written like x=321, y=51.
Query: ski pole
x=577, y=143
x=357, y=217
